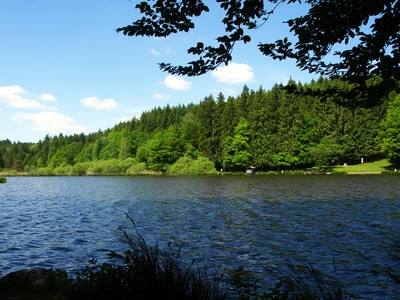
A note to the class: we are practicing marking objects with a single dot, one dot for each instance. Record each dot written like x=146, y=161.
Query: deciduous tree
x=366, y=30
x=390, y=134
x=236, y=148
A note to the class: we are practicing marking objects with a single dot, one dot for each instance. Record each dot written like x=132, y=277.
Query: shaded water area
x=342, y=225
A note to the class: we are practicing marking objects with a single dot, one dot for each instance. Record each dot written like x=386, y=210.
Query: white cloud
x=48, y=97
x=14, y=96
x=11, y=90
x=51, y=122
x=154, y=52
x=177, y=83
x=96, y=103
x=158, y=96
x=234, y=73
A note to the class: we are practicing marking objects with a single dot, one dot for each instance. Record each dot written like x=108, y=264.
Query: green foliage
x=111, y=167
x=164, y=149
x=44, y=172
x=189, y=166
x=62, y=170
x=67, y=155
x=390, y=133
x=326, y=153
x=283, y=159
x=181, y=166
x=202, y=166
x=3, y=180
x=236, y=154
x=270, y=130
x=79, y=169
x=208, y=142
x=137, y=169
x=367, y=35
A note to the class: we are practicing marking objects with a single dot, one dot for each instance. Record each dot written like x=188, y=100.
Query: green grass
x=368, y=167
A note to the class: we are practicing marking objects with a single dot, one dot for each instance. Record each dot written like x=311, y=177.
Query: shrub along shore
x=188, y=167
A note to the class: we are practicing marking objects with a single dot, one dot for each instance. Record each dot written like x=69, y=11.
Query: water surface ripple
x=343, y=225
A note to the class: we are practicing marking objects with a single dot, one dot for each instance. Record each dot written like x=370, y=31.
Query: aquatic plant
x=3, y=180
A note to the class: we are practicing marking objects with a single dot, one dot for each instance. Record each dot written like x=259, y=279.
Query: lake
x=342, y=225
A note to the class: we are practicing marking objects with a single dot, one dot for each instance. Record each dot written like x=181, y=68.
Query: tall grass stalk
x=304, y=282
x=144, y=272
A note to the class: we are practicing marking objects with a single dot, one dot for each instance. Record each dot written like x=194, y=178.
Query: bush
x=96, y=167
x=3, y=180
x=188, y=166
x=79, y=169
x=62, y=170
x=181, y=166
x=202, y=166
x=44, y=172
x=138, y=168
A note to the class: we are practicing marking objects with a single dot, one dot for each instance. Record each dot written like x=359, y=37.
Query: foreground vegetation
x=291, y=127
x=149, y=272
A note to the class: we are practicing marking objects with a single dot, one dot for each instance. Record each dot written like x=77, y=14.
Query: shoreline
x=299, y=173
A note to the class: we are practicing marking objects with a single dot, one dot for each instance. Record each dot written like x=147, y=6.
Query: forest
x=289, y=127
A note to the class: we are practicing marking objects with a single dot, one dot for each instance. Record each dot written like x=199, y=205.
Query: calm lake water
x=343, y=222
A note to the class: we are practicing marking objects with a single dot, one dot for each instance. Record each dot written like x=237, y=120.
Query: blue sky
x=64, y=68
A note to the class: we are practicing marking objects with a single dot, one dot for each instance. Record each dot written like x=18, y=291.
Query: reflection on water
x=250, y=221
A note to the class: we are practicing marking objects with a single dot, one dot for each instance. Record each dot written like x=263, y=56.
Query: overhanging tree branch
x=371, y=26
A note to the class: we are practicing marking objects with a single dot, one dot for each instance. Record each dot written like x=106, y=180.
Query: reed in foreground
x=143, y=272
x=147, y=272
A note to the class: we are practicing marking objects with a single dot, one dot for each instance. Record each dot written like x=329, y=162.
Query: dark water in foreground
x=249, y=221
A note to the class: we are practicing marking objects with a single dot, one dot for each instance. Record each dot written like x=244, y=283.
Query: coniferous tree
x=207, y=141
x=219, y=130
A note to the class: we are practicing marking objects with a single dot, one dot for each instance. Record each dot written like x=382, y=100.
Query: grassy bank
x=368, y=167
